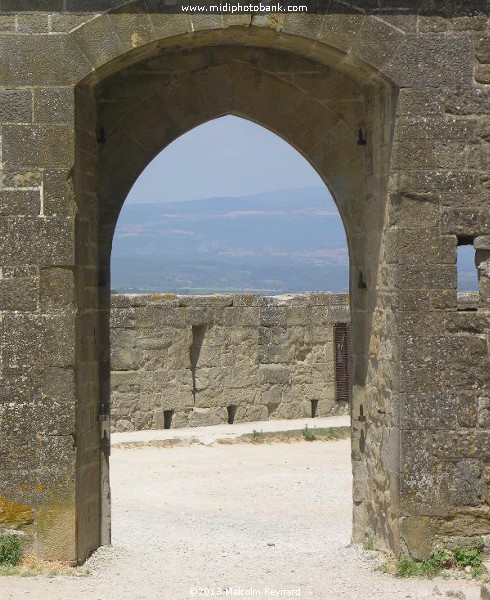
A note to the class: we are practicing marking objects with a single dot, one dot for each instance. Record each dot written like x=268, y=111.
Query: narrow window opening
x=314, y=408
x=341, y=357
x=198, y=333
x=467, y=274
x=167, y=418
x=231, y=413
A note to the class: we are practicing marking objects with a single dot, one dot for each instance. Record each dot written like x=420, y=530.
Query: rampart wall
x=202, y=360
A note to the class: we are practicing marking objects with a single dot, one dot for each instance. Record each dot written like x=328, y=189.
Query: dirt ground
x=252, y=519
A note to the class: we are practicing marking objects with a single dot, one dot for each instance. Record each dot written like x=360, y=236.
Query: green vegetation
x=331, y=434
x=368, y=544
x=309, y=434
x=468, y=559
x=10, y=549
x=322, y=434
x=257, y=437
x=14, y=563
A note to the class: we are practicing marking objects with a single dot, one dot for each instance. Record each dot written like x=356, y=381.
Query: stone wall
x=202, y=360
x=92, y=90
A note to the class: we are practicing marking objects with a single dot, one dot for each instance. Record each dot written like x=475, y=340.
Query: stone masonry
x=202, y=360
x=389, y=100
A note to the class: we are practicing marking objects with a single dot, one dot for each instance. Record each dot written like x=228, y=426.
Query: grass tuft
x=256, y=437
x=368, y=544
x=309, y=434
x=10, y=549
x=463, y=559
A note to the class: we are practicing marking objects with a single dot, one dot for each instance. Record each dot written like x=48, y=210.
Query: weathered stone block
x=419, y=102
x=458, y=528
x=149, y=315
x=15, y=106
x=276, y=353
x=50, y=241
x=58, y=193
x=67, y=21
x=8, y=23
x=426, y=276
x=473, y=101
x=125, y=358
x=40, y=60
x=297, y=315
x=273, y=316
x=19, y=293
x=199, y=417
x=98, y=40
x=414, y=154
x=466, y=221
x=432, y=24
x=38, y=340
x=426, y=182
x=33, y=23
x=416, y=536
x=20, y=202
x=475, y=22
x=57, y=289
x=450, y=65
x=166, y=25
x=54, y=400
x=430, y=129
x=340, y=27
x=292, y=410
x=439, y=410
x=132, y=24
x=425, y=246
x=482, y=74
x=123, y=381
x=124, y=317
x=405, y=22
x=386, y=40
x=307, y=28
x=54, y=105
x=247, y=412
x=21, y=178
x=37, y=145
x=274, y=374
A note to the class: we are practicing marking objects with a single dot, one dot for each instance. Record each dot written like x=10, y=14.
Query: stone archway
x=322, y=111
x=83, y=119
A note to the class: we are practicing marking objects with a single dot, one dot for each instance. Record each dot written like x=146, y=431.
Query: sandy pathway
x=251, y=516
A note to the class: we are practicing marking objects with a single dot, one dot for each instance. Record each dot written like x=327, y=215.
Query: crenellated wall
x=202, y=360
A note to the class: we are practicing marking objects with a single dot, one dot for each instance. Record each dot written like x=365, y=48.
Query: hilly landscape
x=275, y=242
x=271, y=243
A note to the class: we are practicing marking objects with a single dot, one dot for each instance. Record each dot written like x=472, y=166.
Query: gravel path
x=236, y=516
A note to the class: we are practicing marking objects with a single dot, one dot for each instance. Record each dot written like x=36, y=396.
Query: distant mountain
x=291, y=240
x=282, y=241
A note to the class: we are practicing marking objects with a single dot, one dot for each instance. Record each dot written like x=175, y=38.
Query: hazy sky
x=224, y=157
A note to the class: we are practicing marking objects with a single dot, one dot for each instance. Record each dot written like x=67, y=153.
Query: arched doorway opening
x=228, y=347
